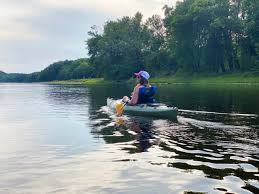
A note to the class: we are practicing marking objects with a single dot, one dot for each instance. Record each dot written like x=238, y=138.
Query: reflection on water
x=63, y=139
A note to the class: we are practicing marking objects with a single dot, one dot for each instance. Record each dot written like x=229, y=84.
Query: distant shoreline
x=222, y=79
x=237, y=78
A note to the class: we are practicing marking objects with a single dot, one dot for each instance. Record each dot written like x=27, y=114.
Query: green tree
x=207, y=35
x=120, y=48
x=156, y=53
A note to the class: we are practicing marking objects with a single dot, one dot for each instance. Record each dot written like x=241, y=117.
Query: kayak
x=151, y=110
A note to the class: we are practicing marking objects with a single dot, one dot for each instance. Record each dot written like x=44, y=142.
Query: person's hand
x=125, y=99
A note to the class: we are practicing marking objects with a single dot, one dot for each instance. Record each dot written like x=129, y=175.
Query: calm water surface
x=63, y=139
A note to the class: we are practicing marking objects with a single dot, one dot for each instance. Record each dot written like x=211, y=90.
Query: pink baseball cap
x=143, y=74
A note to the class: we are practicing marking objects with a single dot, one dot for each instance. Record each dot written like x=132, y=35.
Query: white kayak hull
x=156, y=110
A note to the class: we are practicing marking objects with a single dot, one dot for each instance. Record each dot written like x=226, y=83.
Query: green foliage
x=129, y=45
x=62, y=70
x=249, y=42
x=2, y=76
x=196, y=36
x=12, y=77
x=119, y=49
x=66, y=70
x=88, y=81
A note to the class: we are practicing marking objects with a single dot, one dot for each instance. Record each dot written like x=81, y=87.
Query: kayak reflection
x=144, y=133
x=140, y=131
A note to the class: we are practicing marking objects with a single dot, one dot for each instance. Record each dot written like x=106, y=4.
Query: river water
x=63, y=139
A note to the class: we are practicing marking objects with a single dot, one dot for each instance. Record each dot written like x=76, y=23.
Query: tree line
x=195, y=36
x=62, y=70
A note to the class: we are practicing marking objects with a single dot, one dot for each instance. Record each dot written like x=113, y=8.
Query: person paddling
x=143, y=92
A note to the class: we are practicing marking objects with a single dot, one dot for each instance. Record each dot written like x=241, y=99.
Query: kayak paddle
x=120, y=108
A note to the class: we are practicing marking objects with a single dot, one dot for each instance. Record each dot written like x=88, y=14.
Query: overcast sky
x=35, y=33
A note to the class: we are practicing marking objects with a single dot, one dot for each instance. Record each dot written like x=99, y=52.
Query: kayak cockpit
x=157, y=110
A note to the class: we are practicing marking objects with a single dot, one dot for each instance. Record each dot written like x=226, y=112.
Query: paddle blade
x=119, y=108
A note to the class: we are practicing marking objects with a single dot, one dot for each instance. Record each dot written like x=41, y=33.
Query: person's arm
x=134, y=99
x=137, y=86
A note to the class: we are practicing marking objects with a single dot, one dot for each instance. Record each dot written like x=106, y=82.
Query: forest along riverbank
x=245, y=78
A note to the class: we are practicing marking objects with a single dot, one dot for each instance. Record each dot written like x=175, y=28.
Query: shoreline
x=221, y=79
x=90, y=81
x=228, y=79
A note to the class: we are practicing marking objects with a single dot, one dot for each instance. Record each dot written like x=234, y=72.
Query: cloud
x=11, y=13
x=35, y=33
x=59, y=38
x=112, y=7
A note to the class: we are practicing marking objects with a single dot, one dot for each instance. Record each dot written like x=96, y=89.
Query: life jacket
x=146, y=95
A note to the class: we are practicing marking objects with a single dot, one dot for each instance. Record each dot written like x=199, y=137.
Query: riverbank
x=91, y=81
x=237, y=78
x=244, y=78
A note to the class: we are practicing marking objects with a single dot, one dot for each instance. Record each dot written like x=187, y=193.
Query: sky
x=36, y=33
